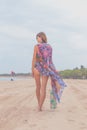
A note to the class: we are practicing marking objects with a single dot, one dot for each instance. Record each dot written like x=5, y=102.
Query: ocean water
x=5, y=78
x=9, y=78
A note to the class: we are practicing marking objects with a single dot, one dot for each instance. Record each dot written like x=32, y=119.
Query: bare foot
x=39, y=108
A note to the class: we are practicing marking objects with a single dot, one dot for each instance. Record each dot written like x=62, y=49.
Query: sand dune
x=18, y=107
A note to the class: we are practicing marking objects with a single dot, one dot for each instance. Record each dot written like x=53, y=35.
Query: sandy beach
x=18, y=107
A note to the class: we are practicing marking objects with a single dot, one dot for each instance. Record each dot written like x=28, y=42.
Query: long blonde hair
x=43, y=37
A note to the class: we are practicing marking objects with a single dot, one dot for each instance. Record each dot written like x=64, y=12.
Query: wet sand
x=18, y=107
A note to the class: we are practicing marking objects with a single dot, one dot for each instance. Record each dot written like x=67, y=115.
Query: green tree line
x=76, y=73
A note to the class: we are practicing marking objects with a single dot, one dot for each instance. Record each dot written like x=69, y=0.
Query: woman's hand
x=32, y=72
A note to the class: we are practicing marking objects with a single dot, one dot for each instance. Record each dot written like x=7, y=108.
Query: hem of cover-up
x=42, y=74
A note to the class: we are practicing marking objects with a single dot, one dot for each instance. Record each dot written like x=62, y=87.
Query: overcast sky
x=64, y=22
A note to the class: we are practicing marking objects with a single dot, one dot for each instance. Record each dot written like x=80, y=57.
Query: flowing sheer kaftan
x=46, y=67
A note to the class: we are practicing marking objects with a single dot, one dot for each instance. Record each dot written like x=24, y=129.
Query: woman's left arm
x=34, y=59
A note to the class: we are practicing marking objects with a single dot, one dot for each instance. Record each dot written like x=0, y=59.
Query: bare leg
x=38, y=84
x=43, y=91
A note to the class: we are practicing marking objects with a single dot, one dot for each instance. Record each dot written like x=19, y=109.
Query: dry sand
x=18, y=107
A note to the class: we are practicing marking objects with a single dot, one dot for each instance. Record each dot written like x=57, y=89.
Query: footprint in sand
x=73, y=109
x=26, y=120
x=32, y=125
x=70, y=111
x=71, y=120
x=83, y=126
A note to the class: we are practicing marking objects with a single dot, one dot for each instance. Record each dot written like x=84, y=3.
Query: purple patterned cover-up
x=46, y=67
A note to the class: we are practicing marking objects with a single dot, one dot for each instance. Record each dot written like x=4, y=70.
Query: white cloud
x=16, y=31
x=65, y=23
x=72, y=11
x=78, y=41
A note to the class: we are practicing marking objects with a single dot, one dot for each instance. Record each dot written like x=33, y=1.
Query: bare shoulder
x=50, y=46
x=35, y=47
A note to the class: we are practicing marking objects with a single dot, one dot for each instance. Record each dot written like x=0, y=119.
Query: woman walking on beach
x=43, y=67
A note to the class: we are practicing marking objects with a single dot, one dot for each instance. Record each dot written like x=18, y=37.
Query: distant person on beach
x=43, y=67
x=12, y=75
